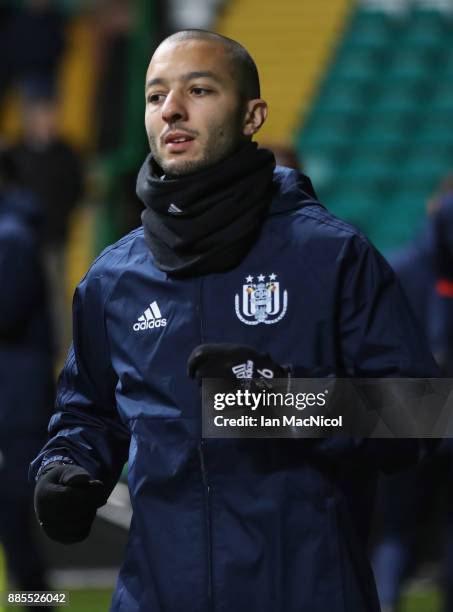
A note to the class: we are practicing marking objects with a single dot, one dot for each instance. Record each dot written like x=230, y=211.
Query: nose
x=174, y=108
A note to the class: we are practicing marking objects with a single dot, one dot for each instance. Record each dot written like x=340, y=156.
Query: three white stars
x=261, y=277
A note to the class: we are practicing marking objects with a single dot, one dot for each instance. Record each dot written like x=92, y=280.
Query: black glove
x=66, y=500
x=233, y=361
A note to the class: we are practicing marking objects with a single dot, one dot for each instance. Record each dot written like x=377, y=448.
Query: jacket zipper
x=207, y=501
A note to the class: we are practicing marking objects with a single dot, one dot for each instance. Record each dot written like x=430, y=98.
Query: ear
x=255, y=116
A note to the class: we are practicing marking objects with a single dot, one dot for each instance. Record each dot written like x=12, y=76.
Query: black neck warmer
x=206, y=222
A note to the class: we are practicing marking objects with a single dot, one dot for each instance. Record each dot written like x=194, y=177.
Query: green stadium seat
x=400, y=98
x=326, y=134
x=333, y=150
x=426, y=168
x=442, y=98
x=342, y=99
x=446, y=66
x=435, y=150
x=370, y=29
x=435, y=129
x=337, y=127
x=344, y=96
x=412, y=64
x=370, y=168
x=392, y=151
x=378, y=155
x=361, y=89
x=392, y=103
x=385, y=129
x=410, y=198
x=359, y=64
x=424, y=29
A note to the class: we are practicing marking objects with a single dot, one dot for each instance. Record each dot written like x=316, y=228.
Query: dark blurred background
x=361, y=99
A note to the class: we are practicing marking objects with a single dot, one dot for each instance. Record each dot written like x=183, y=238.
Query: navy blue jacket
x=26, y=377
x=414, y=266
x=248, y=525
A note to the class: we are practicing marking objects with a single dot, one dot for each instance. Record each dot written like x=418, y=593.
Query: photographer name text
x=281, y=421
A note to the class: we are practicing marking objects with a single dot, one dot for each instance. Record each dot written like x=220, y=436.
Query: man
x=257, y=525
x=26, y=375
x=50, y=167
x=406, y=500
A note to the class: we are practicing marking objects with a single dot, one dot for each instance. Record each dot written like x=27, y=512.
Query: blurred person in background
x=413, y=499
x=250, y=525
x=441, y=318
x=52, y=169
x=26, y=375
x=32, y=40
x=113, y=22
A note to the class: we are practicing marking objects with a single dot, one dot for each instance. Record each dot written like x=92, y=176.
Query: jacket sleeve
x=86, y=429
x=378, y=336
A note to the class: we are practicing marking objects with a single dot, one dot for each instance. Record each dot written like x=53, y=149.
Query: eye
x=154, y=98
x=200, y=91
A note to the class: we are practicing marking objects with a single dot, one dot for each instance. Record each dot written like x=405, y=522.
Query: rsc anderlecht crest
x=262, y=301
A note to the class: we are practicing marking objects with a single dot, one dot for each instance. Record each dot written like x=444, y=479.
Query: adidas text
x=150, y=324
x=151, y=318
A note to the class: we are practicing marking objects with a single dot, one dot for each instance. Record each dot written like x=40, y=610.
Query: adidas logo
x=150, y=319
x=174, y=210
x=243, y=370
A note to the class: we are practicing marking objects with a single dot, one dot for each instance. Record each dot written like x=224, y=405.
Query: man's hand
x=66, y=500
x=232, y=361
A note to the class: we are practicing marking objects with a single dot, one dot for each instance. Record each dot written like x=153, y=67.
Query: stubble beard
x=179, y=168
x=211, y=155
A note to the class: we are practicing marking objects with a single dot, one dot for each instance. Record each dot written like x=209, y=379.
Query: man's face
x=193, y=114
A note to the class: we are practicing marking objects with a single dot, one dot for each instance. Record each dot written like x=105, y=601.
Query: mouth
x=178, y=141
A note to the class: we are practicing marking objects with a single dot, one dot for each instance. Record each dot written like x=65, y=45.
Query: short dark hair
x=243, y=66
